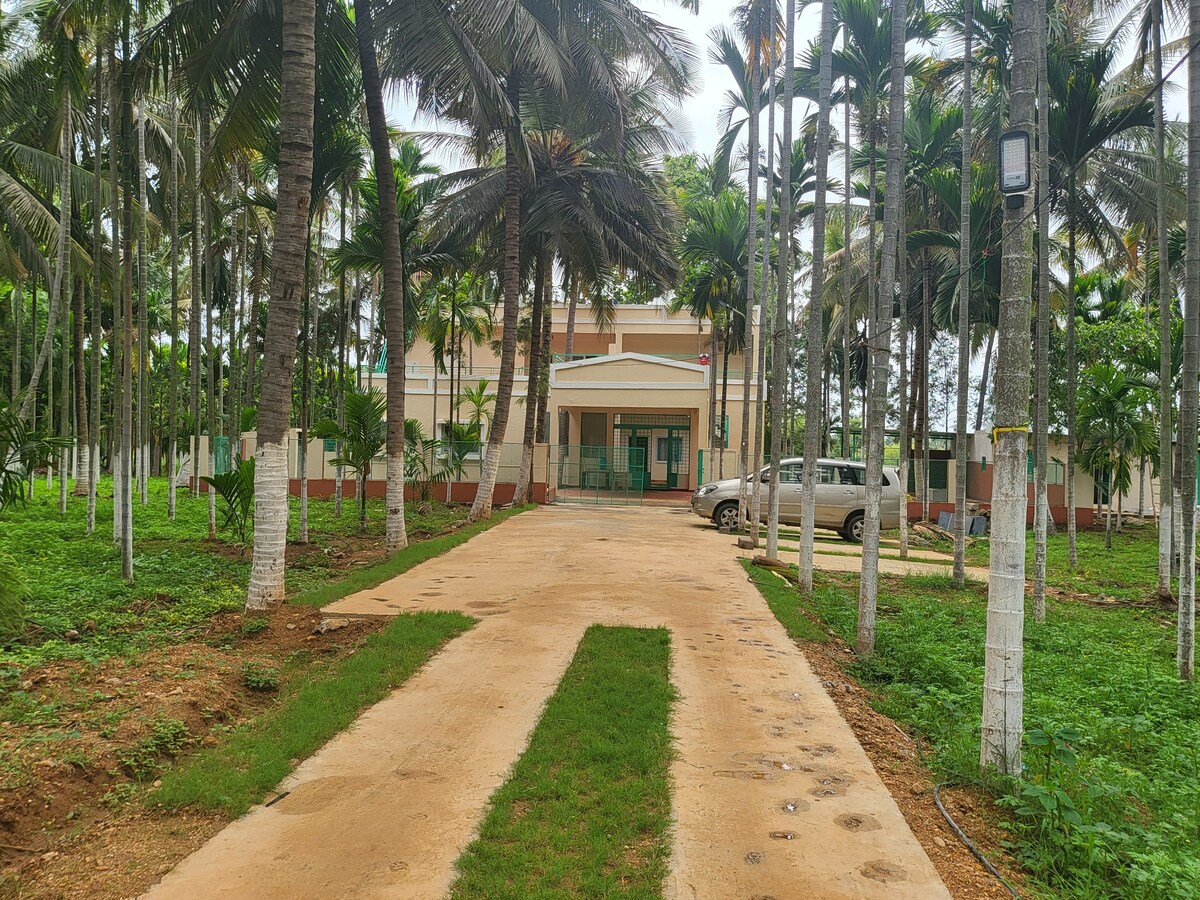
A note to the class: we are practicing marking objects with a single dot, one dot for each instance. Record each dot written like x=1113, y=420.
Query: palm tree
x=1003, y=688
x=1041, y=413
x=814, y=349
x=881, y=337
x=1092, y=109
x=783, y=322
x=1113, y=431
x=362, y=437
x=297, y=93
x=964, y=308
x=1189, y=401
x=394, y=277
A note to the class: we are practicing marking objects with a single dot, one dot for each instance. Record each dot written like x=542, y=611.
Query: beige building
x=636, y=398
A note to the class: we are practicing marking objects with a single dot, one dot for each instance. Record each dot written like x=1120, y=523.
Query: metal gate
x=600, y=476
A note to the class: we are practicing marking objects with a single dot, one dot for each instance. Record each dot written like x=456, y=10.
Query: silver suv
x=841, y=497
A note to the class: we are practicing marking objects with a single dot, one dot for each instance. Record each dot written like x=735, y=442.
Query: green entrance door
x=639, y=462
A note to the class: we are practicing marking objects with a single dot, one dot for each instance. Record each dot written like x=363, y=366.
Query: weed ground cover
x=1109, y=805
x=586, y=811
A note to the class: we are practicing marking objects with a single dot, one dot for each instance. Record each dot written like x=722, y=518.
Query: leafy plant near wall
x=236, y=489
x=360, y=439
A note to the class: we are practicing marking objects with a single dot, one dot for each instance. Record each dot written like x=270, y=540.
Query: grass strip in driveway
x=314, y=707
x=399, y=563
x=587, y=808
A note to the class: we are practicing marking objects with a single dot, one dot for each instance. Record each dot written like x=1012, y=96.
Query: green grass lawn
x=181, y=579
x=586, y=811
x=314, y=706
x=1110, y=802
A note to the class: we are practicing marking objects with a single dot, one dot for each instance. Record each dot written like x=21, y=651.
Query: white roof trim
x=636, y=357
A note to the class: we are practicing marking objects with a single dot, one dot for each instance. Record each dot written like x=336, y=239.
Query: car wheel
x=853, y=532
x=726, y=516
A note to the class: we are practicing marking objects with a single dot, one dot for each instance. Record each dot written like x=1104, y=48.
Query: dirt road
x=774, y=797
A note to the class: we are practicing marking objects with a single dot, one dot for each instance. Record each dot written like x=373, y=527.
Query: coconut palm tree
x=1189, y=401
x=297, y=93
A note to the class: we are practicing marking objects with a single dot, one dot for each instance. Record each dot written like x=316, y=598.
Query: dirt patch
x=81, y=743
x=896, y=758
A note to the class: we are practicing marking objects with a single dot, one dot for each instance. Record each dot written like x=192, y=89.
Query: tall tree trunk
x=1186, y=640
x=983, y=379
x=543, y=383
x=814, y=342
x=1003, y=687
x=83, y=437
x=126, y=493
x=394, y=276
x=751, y=285
x=97, y=250
x=880, y=342
x=210, y=347
x=61, y=266
x=287, y=274
x=173, y=387
x=1041, y=414
x=17, y=300
x=721, y=431
x=116, y=355
x=927, y=337
x=143, y=351
x=1165, y=361
x=341, y=373
x=847, y=281
x=66, y=296
x=902, y=387
x=524, y=477
x=760, y=383
x=198, y=263
x=961, y=446
x=1071, y=375
x=514, y=178
x=781, y=325
x=306, y=317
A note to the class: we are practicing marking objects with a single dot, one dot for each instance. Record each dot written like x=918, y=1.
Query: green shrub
x=166, y=739
x=12, y=601
x=257, y=625
x=259, y=677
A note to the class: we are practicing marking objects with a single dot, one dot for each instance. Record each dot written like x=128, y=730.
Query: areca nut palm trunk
x=297, y=98
x=1165, y=367
x=93, y=421
x=197, y=261
x=902, y=387
x=1003, y=686
x=79, y=365
x=125, y=497
x=1189, y=399
x=782, y=323
x=1041, y=368
x=880, y=343
x=1072, y=375
x=143, y=340
x=764, y=288
x=846, y=273
x=751, y=285
x=814, y=343
x=511, y=287
x=114, y=174
x=394, y=276
x=173, y=386
x=540, y=285
x=62, y=264
x=66, y=300
x=964, y=307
